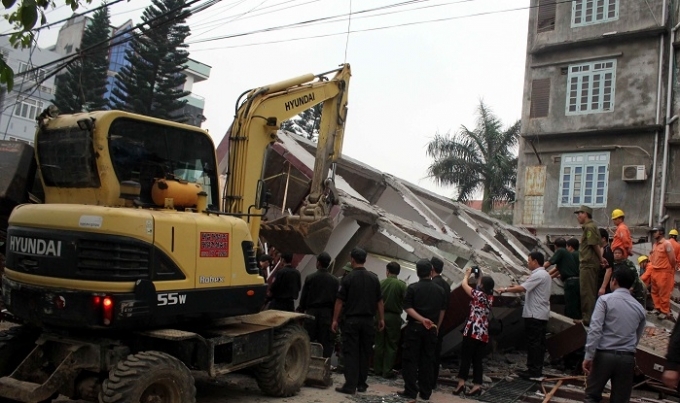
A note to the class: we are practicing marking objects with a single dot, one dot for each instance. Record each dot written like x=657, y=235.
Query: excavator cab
x=259, y=114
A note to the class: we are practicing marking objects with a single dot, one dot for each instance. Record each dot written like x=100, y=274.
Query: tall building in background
x=30, y=95
x=600, y=115
x=71, y=35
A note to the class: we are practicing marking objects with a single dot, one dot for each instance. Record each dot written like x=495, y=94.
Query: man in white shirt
x=536, y=313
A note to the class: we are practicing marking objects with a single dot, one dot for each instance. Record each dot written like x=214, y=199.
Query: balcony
x=195, y=100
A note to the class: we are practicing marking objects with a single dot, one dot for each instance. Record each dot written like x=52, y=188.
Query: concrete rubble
x=396, y=220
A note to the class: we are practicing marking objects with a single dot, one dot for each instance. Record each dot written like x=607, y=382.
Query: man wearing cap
x=590, y=261
x=387, y=341
x=437, y=269
x=622, y=238
x=673, y=238
x=661, y=273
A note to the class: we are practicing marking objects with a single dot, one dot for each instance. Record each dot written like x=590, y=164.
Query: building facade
x=599, y=124
x=31, y=93
x=71, y=35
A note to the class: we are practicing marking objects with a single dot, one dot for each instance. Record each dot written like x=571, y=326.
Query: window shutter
x=540, y=98
x=546, y=15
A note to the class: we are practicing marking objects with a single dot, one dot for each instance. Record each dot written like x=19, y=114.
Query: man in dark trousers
x=387, y=341
x=424, y=304
x=671, y=375
x=615, y=329
x=285, y=286
x=360, y=296
x=318, y=299
x=437, y=269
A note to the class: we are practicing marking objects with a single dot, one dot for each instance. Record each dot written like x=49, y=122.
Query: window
x=35, y=75
x=28, y=108
x=546, y=16
x=540, y=98
x=591, y=87
x=583, y=179
x=587, y=12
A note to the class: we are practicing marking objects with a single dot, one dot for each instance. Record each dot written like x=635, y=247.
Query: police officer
x=386, y=342
x=424, y=304
x=437, y=269
x=318, y=299
x=361, y=298
x=285, y=286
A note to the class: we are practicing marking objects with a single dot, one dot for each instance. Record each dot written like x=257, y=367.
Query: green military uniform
x=589, y=266
x=569, y=274
x=386, y=342
x=639, y=291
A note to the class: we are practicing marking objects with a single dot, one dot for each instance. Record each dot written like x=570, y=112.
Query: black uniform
x=285, y=289
x=360, y=292
x=673, y=355
x=318, y=299
x=438, y=348
x=428, y=299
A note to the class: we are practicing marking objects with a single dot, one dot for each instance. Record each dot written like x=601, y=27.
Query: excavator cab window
x=67, y=158
x=144, y=151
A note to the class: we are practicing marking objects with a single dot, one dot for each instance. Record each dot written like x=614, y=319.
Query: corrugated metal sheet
x=534, y=180
x=540, y=98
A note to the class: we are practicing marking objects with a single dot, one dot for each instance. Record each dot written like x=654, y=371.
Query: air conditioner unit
x=634, y=173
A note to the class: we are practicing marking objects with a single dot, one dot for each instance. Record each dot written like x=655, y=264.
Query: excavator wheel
x=149, y=377
x=283, y=374
x=16, y=343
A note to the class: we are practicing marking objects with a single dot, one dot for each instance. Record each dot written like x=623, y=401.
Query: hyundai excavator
x=130, y=276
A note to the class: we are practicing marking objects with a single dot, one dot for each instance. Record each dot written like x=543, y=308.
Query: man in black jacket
x=424, y=304
x=318, y=299
x=359, y=298
x=671, y=374
x=437, y=269
x=285, y=286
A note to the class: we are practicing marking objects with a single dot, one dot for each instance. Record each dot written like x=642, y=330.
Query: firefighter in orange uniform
x=661, y=273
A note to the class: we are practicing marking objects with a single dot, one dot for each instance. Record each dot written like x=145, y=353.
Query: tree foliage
x=482, y=158
x=306, y=124
x=152, y=83
x=84, y=84
x=23, y=15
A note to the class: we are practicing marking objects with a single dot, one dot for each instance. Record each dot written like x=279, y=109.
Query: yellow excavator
x=130, y=262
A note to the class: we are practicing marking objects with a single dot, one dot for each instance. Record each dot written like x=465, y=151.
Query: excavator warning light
x=107, y=310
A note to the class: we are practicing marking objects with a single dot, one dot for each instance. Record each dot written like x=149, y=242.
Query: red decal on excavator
x=214, y=244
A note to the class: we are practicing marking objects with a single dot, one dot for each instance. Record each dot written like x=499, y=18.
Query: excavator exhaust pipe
x=293, y=234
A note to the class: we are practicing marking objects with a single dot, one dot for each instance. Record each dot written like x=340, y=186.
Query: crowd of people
x=603, y=290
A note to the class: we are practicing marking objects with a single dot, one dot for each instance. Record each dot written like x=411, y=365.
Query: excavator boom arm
x=254, y=128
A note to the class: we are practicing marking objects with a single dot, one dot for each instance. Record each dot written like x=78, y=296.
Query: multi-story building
x=71, y=35
x=31, y=93
x=599, y=124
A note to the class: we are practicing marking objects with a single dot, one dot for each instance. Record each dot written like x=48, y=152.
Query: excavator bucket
x=295, y=235
x=319, y=373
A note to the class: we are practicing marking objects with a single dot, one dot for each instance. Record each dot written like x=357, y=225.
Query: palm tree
x=482, y=158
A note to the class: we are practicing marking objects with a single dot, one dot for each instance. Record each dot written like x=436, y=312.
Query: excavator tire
x=283, y=374
x=16, y=343
x=149, y=376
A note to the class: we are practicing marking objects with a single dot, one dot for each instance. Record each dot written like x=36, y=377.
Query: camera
x=476, y=271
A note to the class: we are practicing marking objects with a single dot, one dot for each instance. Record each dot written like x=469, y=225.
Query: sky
x=419, y=67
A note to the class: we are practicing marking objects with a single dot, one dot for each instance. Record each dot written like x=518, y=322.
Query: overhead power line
x=325, y=20
x=67, y=60
x=40, y=28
